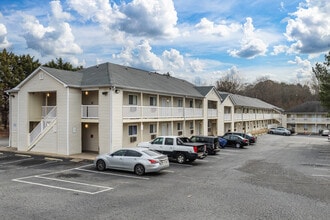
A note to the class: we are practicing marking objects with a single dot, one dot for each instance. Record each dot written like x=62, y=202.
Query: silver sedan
x=137, y=160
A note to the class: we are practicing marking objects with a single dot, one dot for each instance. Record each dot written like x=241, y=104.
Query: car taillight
x=153, y=161
x=195, y=149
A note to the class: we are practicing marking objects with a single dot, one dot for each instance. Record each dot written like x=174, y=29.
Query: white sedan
x=137, y=160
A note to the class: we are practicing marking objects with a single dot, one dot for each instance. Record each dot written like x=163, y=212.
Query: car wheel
x=100, y=165
x=238, y=145
x=139, y=169
x=181, y=158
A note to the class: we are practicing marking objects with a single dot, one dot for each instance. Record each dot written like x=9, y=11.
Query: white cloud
x=309, y=30
x=304, y=70
x=140, y=56
x=173, y=59
x=196, y=66
x=56, y=39
x=58, y=12
x=4, y=43
x=208, y=27
x=99, y=11
x=137, y=18
x=251, y=45
x=150, y=18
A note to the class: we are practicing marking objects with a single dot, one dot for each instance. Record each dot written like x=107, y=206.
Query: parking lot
x=277, y=178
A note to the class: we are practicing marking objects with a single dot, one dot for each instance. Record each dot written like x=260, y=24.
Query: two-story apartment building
x=105, y=107
x=307, y=118
x=246, y=114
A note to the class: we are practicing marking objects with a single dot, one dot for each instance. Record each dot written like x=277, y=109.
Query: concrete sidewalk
x=4, y=146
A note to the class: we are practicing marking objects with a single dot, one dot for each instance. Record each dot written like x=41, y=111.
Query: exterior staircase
x=42, y=128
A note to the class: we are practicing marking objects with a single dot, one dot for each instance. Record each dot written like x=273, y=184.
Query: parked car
x=212, y=143
x=235, y=140
x=280, y=131
x=325, y=132
x=137, y=160
x=252, y=139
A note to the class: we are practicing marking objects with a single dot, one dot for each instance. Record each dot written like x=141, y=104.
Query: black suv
x=251, y=138
x=212, y=143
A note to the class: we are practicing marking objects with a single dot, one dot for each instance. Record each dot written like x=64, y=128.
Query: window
x=132, y=133
x=191, y=103
x=132, y=153
x=153, y=101
x=153, y=128
x=158, y=141
x=132, y=99
x=119, y=153
x=180, y=103
x=132, y=130
x=179, y=126
x=169, y=141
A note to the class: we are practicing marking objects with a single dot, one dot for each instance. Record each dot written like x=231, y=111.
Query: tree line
x=281, y=94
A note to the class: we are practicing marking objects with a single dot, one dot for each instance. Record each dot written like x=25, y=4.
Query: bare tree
x=230, y=83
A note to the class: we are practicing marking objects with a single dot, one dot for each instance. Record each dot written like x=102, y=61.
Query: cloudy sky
x=200, y=41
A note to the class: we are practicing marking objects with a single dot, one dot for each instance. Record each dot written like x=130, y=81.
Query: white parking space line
x=22, y=180
x=112, y=174
x=15, y=161
x=22, y=155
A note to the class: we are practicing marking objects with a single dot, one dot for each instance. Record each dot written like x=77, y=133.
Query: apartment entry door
x=90, y=137
x=166, y=129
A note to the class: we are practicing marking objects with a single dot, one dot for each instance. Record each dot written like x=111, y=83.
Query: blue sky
x=200, y=41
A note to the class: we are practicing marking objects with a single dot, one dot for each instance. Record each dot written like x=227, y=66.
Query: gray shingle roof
x=114, y=75
x=308, y=107
x=239, y=100
x=69, y=78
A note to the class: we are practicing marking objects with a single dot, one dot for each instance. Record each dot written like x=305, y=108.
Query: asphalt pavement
x=277, y=178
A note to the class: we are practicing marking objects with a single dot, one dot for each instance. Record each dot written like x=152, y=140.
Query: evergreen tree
x=322, y=73
x=13, y=69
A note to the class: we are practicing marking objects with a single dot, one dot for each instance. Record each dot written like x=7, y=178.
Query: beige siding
x=49, y=142
x=35, y=84
x=73, y=120
x=116, y=120
x=105, y=109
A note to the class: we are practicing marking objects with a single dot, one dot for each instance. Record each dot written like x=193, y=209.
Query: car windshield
x=151, y=153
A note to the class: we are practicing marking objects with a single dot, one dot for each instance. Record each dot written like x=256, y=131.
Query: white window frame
x=134, y=99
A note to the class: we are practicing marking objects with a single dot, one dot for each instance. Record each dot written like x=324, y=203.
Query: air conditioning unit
x=132, y=139
x=153, y=136
x=179, y=133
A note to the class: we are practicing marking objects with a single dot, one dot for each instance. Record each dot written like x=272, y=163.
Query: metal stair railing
x=46, y=121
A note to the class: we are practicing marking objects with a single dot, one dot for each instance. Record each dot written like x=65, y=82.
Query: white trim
x=110, y=121
x=67, y=119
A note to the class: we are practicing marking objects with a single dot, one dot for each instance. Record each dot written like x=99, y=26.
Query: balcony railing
x=150, y=112
x=212, y=113
x=253, y=117
x=308, y=120
x=89, y=111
